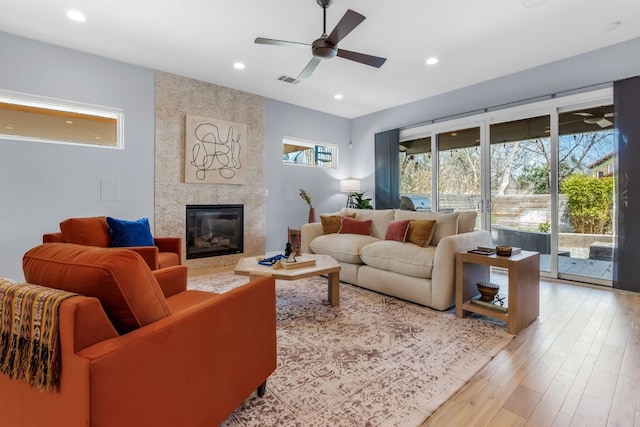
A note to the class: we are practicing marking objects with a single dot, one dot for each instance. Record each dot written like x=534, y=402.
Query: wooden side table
x=523, y=270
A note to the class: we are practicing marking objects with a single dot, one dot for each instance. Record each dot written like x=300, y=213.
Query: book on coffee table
x=298, y=264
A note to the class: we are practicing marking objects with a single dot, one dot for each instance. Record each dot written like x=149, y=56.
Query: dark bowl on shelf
x=488, y=291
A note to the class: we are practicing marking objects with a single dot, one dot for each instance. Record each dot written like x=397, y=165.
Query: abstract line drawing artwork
x=214, y=151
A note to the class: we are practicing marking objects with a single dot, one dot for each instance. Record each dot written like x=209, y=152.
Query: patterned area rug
x=373, y=361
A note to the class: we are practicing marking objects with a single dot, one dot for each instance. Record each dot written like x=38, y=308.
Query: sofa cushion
x=446, y=224
x=397, y=230
x=420, y=231
x=467, y=221
x=331, y=223
x=355, y=226
x=380, y=219
x=402, y=258
x=91, y=231
x=129, y=233
x=341, y=247
x=119, y=278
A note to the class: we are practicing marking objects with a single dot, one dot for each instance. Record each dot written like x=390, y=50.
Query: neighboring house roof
x=601, y=161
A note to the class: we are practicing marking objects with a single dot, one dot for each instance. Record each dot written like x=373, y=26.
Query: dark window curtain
x=626, y=269
x=387, y=175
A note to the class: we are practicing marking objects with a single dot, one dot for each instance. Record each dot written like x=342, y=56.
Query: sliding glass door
x=520, y=159
x=459, y=171
x=539, y=176
x=415, y=174
x=586, y=227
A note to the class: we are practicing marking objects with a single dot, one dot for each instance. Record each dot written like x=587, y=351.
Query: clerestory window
x=33, y=118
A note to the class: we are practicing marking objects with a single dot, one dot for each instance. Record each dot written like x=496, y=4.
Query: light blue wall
x=604, y=65
x=284, y=207
x=42, y=184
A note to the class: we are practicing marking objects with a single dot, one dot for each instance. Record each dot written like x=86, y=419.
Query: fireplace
x=214, y=230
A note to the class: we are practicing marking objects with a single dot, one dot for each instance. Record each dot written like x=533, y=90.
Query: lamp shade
x=349, y=185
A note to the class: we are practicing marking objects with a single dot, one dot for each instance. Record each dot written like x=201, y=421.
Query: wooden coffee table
x=324, y=265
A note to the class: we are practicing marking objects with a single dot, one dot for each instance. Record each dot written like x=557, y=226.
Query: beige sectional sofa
x=424, y=275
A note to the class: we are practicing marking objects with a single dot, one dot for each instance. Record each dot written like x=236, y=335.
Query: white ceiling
x=202, y=39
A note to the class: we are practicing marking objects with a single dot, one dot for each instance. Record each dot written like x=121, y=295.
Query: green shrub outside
x=589, y=203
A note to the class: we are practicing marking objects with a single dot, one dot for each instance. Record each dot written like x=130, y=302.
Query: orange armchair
x=137, y=351
x=94, y=231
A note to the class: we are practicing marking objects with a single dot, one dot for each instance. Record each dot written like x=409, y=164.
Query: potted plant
x=359, y=201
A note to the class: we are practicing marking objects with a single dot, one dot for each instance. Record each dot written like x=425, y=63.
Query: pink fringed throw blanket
x=29, y=336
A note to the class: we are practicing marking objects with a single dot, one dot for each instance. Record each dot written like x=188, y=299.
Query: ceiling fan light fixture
x=432, y=60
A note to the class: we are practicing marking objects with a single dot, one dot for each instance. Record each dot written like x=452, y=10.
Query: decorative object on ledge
x=349, y=186
x=307, y=198
x=214, y=151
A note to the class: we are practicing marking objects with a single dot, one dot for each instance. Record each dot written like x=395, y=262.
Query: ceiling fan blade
x=584, y=114
x=604, y=123
x=349, y=21
x=262, y=40
x=309, y=69
x=374, y=61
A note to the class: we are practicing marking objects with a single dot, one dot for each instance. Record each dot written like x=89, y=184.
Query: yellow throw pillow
x=331, y=223
x=421, y=231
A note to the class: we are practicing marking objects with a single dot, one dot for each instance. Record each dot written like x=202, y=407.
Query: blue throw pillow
x=130, y=233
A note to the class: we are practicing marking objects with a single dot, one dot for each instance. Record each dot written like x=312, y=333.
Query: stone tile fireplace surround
x=177, y=97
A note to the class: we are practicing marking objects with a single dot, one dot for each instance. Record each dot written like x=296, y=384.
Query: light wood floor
x=577, y=365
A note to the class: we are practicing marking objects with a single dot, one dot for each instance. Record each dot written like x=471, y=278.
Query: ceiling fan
x=326, y=47
x=592, y=119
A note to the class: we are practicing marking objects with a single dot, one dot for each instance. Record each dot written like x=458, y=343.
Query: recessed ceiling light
x=432, y=61
x=76, y=15
x=612, y=26
x=238, y=66
x=69, y=122
x=533, y=3
x=337, y=96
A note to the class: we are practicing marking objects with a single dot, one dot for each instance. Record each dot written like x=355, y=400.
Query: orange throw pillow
x=119, y=278
x=421, y=231
x=355, y=226
x=91, y=231
x=397, y=230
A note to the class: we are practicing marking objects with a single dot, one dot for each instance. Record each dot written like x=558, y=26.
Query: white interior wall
x=284, y=207
x=42, y=184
